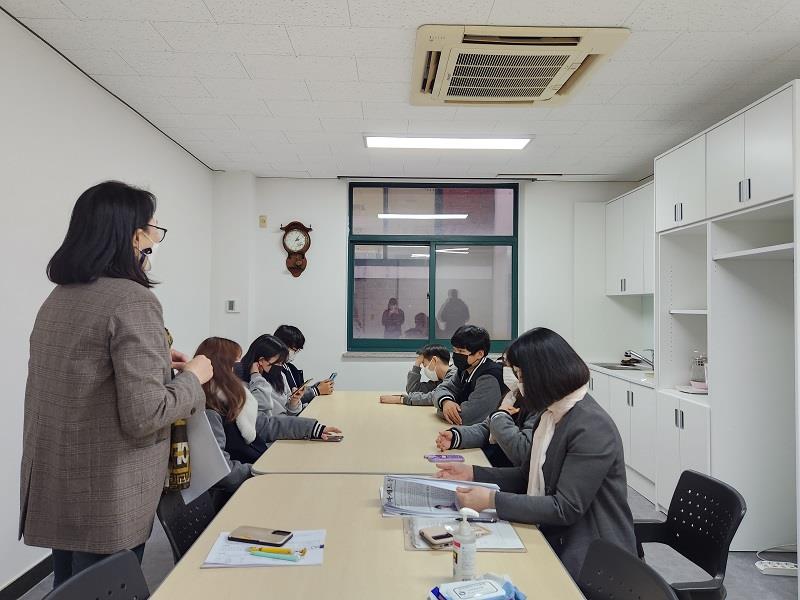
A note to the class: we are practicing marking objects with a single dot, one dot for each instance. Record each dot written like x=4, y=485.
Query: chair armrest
x=708, y=585
x=649, y=531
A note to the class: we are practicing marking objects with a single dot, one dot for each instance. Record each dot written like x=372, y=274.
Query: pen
x=289, y=557
x=481, y=520
x=270, y=549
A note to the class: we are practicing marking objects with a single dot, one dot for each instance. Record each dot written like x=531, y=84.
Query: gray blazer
x=586, y=492
x=514, y=441
x=98, y=407
x=419, y=393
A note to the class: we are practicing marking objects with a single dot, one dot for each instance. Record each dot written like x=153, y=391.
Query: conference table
x=335, y=486
x=378, y=439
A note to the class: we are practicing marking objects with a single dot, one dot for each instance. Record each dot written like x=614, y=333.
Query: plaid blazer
x=98, y=407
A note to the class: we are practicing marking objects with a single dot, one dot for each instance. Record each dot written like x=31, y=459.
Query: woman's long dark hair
x=266, y=346
x=99, y=238
x=223, y=353
x=551, y=369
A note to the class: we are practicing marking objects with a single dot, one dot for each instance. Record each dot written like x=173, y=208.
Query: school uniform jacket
x=478, y=393
x=419, y=393
x=514, y=440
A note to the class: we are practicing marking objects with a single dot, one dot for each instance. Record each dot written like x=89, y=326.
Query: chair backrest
x=183, y=523
x=118, y=577
x=702, y=519
x=611, y=573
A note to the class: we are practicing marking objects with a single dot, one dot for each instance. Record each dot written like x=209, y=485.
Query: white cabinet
x=618, y=393
x=630, y=243
x=598, y=388
x=633, y=408
x=749, y=157
x=682, y=442
x=680, y=185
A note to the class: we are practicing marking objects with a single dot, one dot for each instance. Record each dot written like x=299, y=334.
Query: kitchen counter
x=645, y=378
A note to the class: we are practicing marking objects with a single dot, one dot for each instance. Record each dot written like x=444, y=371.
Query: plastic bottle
x=464, y=548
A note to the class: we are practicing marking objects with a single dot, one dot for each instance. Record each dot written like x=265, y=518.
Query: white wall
x=59, y=134
x=316, y=300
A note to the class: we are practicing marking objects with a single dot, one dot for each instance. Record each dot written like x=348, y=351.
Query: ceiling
x=288, y=88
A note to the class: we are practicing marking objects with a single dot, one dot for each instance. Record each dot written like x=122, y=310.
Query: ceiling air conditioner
x=527, y=66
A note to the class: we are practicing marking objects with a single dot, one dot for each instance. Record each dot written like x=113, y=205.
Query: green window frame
x=406, y=345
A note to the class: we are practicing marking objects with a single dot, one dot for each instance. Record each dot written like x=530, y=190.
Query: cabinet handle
x=631, y=399
x=681, y=205
x=682, y=420
x=741, y=195
x=675, y=212
x=624, y=284
x=676, y=418
x=749, y=189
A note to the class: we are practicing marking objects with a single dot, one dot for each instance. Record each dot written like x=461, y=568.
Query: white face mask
x=148, y=254
x=292, y=355
x=431, y=374
x=510, y=379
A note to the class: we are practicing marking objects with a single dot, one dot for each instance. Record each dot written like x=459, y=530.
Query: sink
x=619, y=367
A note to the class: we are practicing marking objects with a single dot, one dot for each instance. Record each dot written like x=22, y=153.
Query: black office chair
x=611, y=573
x=702, y=519
x=118, y=577
x=183, y=524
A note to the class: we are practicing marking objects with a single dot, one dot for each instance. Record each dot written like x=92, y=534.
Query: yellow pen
x=270, y=550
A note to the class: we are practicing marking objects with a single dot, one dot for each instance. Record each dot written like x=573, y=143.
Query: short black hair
x=436, y=350
x=551, y=369
x=473, y=338
x=266, y=346
x=291, y=336
x=99, y=238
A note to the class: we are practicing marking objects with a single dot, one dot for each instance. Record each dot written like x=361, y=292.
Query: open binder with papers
x=409, y=496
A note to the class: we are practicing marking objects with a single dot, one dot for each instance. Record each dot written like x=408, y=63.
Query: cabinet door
x=598, y=388
x=694, y=437
x=643, y=431
x=649, y=263
x=620, y=411
x=635, y=221
x=681, y=185
x=768, y=149
x=615, y=246
x=668, y=461
x=725, y=167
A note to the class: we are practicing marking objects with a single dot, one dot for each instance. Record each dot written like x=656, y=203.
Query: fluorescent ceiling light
x=447, y=143
x=420, y=256
x=421, y=217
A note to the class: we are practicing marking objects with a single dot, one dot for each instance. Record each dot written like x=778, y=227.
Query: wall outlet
x=231, y=306
x=262, y=221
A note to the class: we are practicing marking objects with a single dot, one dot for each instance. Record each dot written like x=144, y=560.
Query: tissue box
x=477, y=589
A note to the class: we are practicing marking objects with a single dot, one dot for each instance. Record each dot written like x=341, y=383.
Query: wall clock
x=296, y=242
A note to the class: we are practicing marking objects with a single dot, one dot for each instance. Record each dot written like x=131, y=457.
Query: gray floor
x=742, y=581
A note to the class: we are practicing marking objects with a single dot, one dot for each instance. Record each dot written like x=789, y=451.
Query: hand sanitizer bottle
x=464, y=548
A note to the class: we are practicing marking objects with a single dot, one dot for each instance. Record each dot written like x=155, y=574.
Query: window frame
x=411, y=345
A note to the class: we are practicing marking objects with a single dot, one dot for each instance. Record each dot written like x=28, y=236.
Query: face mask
x=431, y=374
x=461, y=361
x=148, y=254
x=292, y=354
x=510, y=379
x=521, y=389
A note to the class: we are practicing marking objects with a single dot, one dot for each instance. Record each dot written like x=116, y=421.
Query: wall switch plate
x=262, y=221
x=231, y=306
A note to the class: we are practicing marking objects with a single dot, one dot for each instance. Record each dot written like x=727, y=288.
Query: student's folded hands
x=330, y=431
x=444, y=441
x=452, y=412
x=391, y=399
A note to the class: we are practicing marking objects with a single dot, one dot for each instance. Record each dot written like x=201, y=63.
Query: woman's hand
x=325, y=388
x=511, y=410
x=329, y=431
x=455, y=471
x=201, y=367
x=296, y=396
x=476, y=498
x=179, y=359
x=255, y=368
x=392, y=399
x=444, y=441
x=452, y=412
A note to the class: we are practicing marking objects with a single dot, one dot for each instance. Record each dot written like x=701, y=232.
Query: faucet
x=631, y=353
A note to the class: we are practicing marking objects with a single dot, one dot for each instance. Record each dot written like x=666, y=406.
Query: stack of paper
x=405, y=495
x=226, y=554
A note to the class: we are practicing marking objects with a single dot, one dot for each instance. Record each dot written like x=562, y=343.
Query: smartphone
x=305, y=383
x=437, y=458
x=437, y=537
x=333, y=437
x=333, y=376
x=261, y=536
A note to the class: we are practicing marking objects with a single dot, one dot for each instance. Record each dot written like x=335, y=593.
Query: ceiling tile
x=497, y=113
x=148, y=104
x=314, y=109
x=258, y=138
x=754, y=46
x=336, y=140
x=352, y=41
x=689, y=95
x=256, y=88
x=67, y=34
x=186, y=134
x=317, y=68
x=100, y=62
x=725, y=72
x=413, y=13
x=140, y=10
x=403, y=110
x=566, y=13
x=179, y=87
x=523, y=128
x=436, y=128
x=590, y=93
x=186, y=64
x=644, y=45
x=241, y=146
x=256, y=123
x=220, y=106
x=37, y=9
x=786, y=19
x=287, y=12
x=358, y=91
x=600, y=112
x=384, y=69
x=286, y=161
x=384, y=126
x=192, y=121
x=708, y=15
x=210, y=37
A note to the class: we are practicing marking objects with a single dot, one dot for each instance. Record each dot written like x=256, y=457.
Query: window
x=425, y=260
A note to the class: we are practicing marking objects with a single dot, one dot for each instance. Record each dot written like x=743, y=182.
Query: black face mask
x=460, y=361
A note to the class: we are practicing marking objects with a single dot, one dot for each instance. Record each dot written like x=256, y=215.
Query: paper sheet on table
x=502, y=538
x=424, y=496
x=205, y=457
x=227, y=554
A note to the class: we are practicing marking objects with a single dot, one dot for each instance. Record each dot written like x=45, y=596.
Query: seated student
x=433, y=361
x=508, y=429
x=574, y=485
x=420, y=329
x=296, y=341
x=477, y=388
x=261, y=368
x=242, y=432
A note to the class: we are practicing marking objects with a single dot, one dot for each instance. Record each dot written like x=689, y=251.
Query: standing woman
x=573, y=486
x=100, y=398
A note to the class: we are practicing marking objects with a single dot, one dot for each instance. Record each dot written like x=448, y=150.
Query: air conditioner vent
x=456, y=64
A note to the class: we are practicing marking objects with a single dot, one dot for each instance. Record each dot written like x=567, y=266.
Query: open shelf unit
x=775, y=252
x=688, y=311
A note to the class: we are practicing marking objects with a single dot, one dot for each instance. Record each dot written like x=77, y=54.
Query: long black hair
x=99, y=238
x=266, y=346
x=550, y=367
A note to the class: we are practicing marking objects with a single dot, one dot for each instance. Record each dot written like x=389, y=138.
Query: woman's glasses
x=161, y=233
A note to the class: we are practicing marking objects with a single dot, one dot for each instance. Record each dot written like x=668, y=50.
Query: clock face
x=295, y=240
